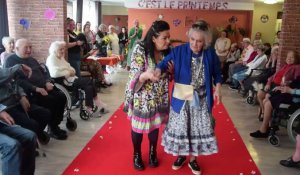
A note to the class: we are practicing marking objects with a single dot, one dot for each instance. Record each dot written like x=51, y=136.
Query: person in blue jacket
x=189, y=131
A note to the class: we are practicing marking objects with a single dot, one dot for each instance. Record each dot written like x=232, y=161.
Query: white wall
x=269, y=28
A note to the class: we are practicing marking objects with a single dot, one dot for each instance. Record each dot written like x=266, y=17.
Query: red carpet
x=110, y=152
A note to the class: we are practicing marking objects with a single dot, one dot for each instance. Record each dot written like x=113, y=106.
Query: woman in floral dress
x=146, y=101
x=189, y=130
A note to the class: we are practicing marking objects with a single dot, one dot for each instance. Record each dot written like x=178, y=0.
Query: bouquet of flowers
x=106, y=40
x=105, y=47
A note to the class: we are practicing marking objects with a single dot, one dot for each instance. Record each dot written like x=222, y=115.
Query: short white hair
x=101, y=27
x=111, y=27
x=275, y=48
x=6, y=40
x=55, y=46
x=203, y=27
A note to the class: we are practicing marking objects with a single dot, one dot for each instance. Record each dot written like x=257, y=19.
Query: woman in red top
x=274, y=81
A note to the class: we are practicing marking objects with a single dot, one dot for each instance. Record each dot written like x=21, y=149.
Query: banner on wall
x=188, y=5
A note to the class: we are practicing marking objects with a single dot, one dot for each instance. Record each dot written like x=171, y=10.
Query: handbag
x=183, y=91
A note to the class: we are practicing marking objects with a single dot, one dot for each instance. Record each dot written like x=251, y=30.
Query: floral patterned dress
x=190, y=132
x=147, y=105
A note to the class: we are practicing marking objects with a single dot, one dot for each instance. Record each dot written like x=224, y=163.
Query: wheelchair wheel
x=71, y=124
x=274, y=140
x=84, y=115
x=69, y=99
x=292, y=123
x=250, y=100
x=44, y=138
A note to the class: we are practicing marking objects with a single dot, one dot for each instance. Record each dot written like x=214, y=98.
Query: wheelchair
x=287, y=115
x=71, y=124
x=73, y=99
x=263, y=76
x=76, y=100
x=251, y=92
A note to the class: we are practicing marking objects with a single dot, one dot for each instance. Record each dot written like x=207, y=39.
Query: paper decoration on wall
x=25, y=23
x=232, y=20
x=160, y=16
x=189, y=21
x=49, y=14
x=176, y=22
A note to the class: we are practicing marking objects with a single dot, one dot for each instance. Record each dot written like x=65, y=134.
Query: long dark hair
x=125, y=33
x=156, y=27
x=85, y=45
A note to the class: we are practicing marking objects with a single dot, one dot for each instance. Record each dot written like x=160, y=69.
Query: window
x=3, y=22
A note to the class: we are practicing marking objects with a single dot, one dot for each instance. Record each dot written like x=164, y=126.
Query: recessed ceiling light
x=270, y=1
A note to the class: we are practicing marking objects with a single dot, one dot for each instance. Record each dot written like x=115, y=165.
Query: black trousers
x=89, y=88
x=84, y=83
x=55, y=101
x=225, y=70
x=137, y=139
x=35, y=119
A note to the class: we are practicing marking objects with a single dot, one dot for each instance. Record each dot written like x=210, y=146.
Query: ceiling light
x=270, y=1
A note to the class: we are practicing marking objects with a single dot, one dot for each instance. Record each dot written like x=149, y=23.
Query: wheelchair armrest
x=284, y=106
x=257, y=69
x=290, y=108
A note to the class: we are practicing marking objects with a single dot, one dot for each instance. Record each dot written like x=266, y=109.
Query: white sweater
x=259, y=62
x=58, y=67
x=114, y=43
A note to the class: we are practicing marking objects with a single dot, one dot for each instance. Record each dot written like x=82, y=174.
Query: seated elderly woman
x=253, y=83
x=286, y=94
x=92, y=66
x=259, y=62
x=60, y=69
x=276, y=79
x=9, y=45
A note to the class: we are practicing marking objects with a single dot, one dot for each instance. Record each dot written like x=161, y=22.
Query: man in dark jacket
x=17, y=143
x=40, y=88
x=13, y=97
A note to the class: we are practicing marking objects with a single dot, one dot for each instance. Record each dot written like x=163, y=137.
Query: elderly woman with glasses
x=189, y=131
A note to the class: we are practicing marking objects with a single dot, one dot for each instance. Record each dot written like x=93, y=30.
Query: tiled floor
x=61, y=153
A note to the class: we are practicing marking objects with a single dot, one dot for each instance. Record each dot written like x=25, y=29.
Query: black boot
x=152, y=157
x=138, y=162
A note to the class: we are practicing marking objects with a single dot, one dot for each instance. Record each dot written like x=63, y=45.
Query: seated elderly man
x=17, y=143
x=40, y=88
x=29, y=116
